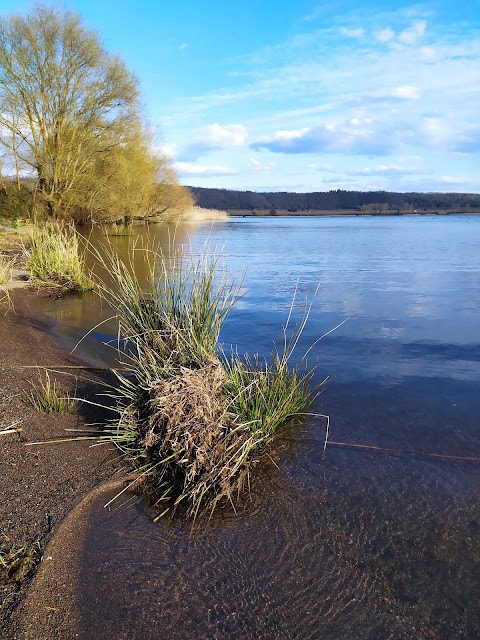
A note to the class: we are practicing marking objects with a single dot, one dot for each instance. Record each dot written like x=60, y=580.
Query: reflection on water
x=355, y=544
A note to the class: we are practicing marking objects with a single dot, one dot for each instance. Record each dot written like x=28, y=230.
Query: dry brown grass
x=195, y=214
x=190, y=428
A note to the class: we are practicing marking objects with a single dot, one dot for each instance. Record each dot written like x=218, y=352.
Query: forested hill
x=367, y=201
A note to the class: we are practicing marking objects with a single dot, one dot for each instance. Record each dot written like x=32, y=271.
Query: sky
x=284, y=95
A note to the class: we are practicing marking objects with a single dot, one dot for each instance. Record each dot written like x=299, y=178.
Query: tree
x=70, y=114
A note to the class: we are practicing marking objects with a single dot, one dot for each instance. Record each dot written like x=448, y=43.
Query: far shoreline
x=343, y=214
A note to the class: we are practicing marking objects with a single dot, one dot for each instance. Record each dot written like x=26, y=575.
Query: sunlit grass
x=49, y=397
x=6, y=268
x=11, y=556
x=16, y=560
x=113, y=229
x=54, y=257
x=200, y=213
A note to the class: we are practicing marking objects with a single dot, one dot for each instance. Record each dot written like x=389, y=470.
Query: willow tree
x=132, y=181
x=68, y=108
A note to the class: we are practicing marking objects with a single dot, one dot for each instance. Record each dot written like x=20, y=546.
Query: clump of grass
x=266, y=394
x=177, y=317
x=54, y=257
x=6, y=268
x=48, y=397
x=191, y=421
x=11, y=556
x=114, y=229
x=16, y=561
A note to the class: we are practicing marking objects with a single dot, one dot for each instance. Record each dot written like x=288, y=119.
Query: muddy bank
x=40, y=484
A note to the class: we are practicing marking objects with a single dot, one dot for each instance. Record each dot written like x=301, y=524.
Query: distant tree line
x=375, y=202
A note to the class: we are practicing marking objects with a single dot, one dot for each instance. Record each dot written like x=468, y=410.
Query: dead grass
x=199, y=213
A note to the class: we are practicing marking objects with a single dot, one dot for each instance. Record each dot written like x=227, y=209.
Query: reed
x=54, y=257
x=199, y=213
x=114, y=229
x=48, y=397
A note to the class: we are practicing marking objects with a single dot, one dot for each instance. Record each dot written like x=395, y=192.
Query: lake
x=358, y=543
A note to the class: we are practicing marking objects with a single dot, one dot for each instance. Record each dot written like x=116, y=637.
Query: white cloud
x=406, y=92
x=214, y=137
x=233, y=135
x=352, y=33
x=428, y=53
x=168, y=150
x=265, y=167
x=409, y=86
x=357, y=136
x=376, y=170
x=385, y=35
x=192, y=169
x=413, y=34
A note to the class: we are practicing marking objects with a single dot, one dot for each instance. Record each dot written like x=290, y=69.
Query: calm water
x=354, y=544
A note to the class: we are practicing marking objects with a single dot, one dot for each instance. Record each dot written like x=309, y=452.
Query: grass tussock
x=6, y=268
x=16, y=561
x=11, y=556
x=48, y=397
x=54, y=257
x=114, y=229
x=191, y=421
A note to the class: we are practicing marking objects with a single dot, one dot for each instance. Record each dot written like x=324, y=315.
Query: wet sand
x=40, y=484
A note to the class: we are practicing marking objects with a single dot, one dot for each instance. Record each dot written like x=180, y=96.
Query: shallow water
x=354, y=544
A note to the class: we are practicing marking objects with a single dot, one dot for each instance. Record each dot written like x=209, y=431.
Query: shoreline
x=41, y=484
x=343, y=214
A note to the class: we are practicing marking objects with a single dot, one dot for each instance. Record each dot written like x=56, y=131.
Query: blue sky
x=305, y=95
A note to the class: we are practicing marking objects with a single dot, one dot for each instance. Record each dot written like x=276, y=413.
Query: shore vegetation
x=6, y=268
x=54, y=257
x=49, y=397
x=194, y=214
x=191, y=420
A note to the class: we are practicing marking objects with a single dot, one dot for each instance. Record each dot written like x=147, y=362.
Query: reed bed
x=192, y=421
x=199, y=213
x=54, y=257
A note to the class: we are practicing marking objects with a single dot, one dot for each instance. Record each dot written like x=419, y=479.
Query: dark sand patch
x=39, y=485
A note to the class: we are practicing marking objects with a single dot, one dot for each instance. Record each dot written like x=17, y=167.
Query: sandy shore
x=40, y=484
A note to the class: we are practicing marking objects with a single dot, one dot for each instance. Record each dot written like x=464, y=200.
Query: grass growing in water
x=192, y=421
x=114, y=229
x=54, y=257
x=48, y=397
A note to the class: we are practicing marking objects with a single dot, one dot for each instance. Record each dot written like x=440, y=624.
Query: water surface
x=354, y=544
